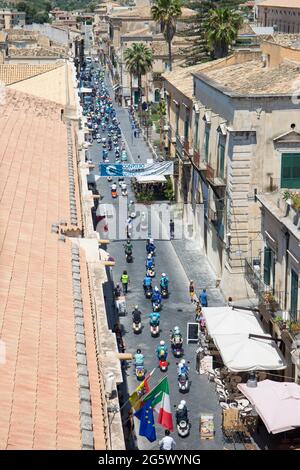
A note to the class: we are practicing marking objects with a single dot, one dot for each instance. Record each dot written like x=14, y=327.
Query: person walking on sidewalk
x=192, y=291
x=172, y=229
x=203, y=298
x=125, y=281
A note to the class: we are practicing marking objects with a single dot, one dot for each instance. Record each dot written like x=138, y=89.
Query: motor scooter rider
x=147, y=282
x=136, y=315
x=128, y=248
x=164, y=281
x=176, y=337
x=181, y=413
x=154, y=318
x=156, y=296
x=162, y=351
x=139, y=358
x=150, y=247
x=149, y=262
x=182, y=368
x=114, y=187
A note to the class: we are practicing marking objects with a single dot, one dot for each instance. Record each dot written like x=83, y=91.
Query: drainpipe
x=287, y=242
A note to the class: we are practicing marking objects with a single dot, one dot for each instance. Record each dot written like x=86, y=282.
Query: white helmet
x=176, y=329
x=156, y=288
x=163, y=274
x=151, y=240
x=131, y=202
x=182, y=361
x=136, y=307
x=149, y=256
x=162, y=343
x=180, y=406
x=183, y=402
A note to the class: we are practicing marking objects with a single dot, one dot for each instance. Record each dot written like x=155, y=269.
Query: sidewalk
x=197, y=268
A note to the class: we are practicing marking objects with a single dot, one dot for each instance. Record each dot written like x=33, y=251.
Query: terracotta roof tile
x=40, y=399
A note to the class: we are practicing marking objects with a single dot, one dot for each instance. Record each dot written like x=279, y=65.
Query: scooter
x=148, y=292
x=183, y=382
x=156, y=306
x=129, y=257
x=154, y=330
x=164, y=292
x=150, y=272
x=163, y=365
x=177, y=349
x=114, y=193
x=140, y=372
x=183, y=427
x=137, y=327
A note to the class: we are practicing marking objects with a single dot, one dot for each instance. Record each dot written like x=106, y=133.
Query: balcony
x=183, y=150
x=212, y=177
x=200, y=164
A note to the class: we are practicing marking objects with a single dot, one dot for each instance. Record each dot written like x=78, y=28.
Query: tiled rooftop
x=251, y=78
x=145, y=12
x=287, y=40
x=280, y=3
x=139, y=32
x=12, y=73
x=36, y=51
x=39, y=400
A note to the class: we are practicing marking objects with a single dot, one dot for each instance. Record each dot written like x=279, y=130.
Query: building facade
x=285, y=14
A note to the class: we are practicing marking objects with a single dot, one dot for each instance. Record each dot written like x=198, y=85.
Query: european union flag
x=147, y=427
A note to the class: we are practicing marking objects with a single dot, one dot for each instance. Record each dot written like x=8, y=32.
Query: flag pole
x=150, y=375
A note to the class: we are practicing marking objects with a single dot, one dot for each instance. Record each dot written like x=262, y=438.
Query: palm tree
x=138, y=60
x=166, y=12
x=222, y=28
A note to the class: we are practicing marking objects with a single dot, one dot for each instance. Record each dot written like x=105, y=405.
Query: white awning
x=230, y=329
x=151, y=179
x=85, y=90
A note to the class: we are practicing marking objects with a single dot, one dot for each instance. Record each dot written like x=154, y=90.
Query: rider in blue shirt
x=156, y=296
x=154, y=318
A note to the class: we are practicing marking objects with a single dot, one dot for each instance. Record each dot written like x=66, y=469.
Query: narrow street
x=178, y=260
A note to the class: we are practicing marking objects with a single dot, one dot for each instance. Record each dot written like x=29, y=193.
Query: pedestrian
x=125, y=281
x=198, y=312
x=172, y=229
x=167, y=442
x=134, y=133
x=132, y=125
x=138, y=132
x=203, y=298
x=229, y=303
x=139, y=158
x=199, y=356
x=192, y=291
x=117, y=291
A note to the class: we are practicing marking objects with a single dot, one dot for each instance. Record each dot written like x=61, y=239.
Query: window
x=269, y=267
x=177, y=119
x=294, y=295
x=196, y=133
x=167, y=67
x=221, y=158
x=157, y=96
x=186, y=127
x=290, y=170
x=206, y=142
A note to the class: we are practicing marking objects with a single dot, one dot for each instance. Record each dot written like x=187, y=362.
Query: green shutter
x=290, y=170
x=294, y=295
x=206, y=142
x=221, y=161
x=267, y=266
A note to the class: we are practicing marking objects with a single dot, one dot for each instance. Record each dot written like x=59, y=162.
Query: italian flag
x=160, y=401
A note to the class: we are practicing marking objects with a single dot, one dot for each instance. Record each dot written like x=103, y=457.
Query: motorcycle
x=177, y=349
x=156, y=306
x=154, y=329
x=129, y=257
x=183, y=382
x=114, y=193
x=140, y=372
x=148, y=292
x=183, y=427
x=164, y=292
x=124, y=192
x=150, y=272
x=163, y=365
x=137, y=327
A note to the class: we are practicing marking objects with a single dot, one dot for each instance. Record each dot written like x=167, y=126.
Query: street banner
x=136, y=169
